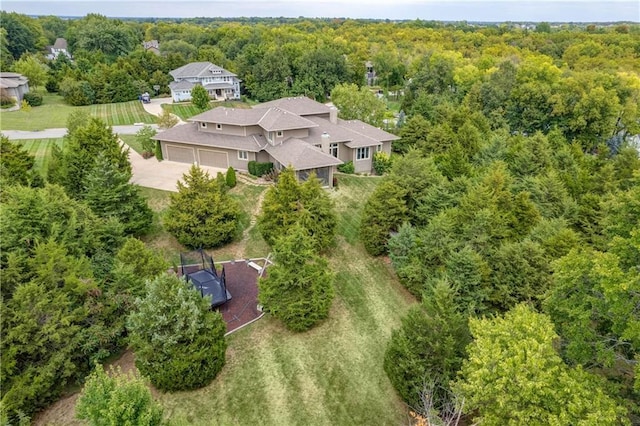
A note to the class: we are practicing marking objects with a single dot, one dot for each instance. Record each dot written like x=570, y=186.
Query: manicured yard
x=131, y=141
x=187, y=110
x=40, y=149
x=331, y=375
x=53, y=114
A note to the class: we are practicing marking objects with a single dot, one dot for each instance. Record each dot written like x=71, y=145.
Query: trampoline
x=198, y=269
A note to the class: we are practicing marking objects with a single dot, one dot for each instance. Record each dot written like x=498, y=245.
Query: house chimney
x=333, y=115
x=326, y=138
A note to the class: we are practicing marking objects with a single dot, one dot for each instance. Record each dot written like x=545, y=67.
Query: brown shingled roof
x=189, y=134
x=300, y=155
x=300, y=105
x=367, y=130
x=270, y=119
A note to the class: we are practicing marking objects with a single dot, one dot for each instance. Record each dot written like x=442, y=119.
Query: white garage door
x=213, y=158
x=180, y=154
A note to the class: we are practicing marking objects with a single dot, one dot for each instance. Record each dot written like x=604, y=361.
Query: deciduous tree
x=117, y=399
x=514, y=376
x=200, y=97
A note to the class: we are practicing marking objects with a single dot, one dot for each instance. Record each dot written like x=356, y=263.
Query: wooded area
x=511, y=211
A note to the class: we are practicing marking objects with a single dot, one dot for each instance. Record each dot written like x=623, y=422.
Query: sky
x=439, y=10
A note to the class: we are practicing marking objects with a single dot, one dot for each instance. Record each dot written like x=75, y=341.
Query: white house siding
x=181, y=95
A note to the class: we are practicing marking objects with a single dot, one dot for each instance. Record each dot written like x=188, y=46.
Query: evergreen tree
x=109, y=194
x=299, y=287
x=82, y=147
x=429, y=346
x=17, y=165
x=230, y=177
x=383, y=213
x=289, y=202
x=178, y=340
x=201, y=214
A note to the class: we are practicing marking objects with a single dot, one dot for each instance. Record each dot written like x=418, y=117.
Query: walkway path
x=155, y=107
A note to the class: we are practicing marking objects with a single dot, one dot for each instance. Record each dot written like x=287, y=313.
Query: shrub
x=347, y=168
x=381, y=163
x=231, y=177
x=158, y=150
x=178, y=340
x=34, y=99
x=52, y=85
x=260, y=169
x=299, y=287
x=117, y=399
x=143, y=137
x=24, y=106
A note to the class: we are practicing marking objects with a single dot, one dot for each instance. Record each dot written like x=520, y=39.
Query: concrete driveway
x=164, y=175
x=155, y=107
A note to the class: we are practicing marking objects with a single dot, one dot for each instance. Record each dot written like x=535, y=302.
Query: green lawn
x=132, y=142
x=40, y=149
x=253, y=246
x=331, y=375
x=53, y=113
x=188, y=110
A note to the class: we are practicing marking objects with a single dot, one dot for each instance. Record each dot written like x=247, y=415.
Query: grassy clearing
x=188, y=110
x=331, y=375
x=40, y=149
x=53, y=114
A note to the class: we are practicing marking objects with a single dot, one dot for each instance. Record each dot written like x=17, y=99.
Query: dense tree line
x=492, y=219
x=70, y=268
x=581, y=79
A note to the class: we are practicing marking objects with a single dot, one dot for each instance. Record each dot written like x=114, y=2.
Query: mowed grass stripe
x=40, y=149
x=330, y=375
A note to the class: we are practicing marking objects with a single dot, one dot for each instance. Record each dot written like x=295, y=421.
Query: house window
x=333, y=149
x=219, y=126
x=203, y=125
x=243, y=155
x=378, y=148
x=279, y=134
x=362, y=153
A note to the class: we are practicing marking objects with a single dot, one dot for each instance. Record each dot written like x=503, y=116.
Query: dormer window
x=219, y=126
x=203, y=125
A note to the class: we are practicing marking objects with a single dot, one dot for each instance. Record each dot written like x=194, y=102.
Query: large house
x=220, y=83
x=59, y=48
x=14, y=85
x=297, y=132
x=151, y=46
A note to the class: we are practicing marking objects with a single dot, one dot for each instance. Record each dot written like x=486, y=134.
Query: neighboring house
x=58, y=48
x=151, y=46
x=370, y=75
x=220, y=83
x=297, y=132
x=14, y=85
